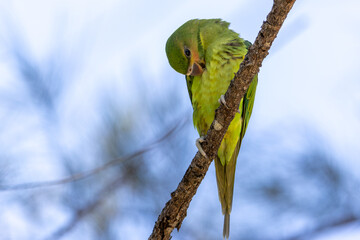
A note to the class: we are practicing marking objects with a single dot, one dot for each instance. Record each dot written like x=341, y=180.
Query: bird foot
x=198, y=145
x=222, y=101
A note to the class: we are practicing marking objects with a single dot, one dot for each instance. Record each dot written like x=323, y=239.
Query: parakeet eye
x=187, y=52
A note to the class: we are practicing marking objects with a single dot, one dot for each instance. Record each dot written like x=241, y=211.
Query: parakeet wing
x=248, y=100
x=248, y=103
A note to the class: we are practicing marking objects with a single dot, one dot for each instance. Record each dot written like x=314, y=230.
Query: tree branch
x=326, y=226
x=87, y=209
x=86, y=174
x=175, y=209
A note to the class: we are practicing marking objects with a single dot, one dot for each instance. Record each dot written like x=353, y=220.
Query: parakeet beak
x=195, y=68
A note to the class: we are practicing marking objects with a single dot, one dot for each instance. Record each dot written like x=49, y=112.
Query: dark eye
x=187, y=52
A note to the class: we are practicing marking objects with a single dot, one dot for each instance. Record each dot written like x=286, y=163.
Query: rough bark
x=175, y=209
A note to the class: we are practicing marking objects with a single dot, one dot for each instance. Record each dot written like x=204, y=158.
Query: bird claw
x=198, y=145
x=222, y=101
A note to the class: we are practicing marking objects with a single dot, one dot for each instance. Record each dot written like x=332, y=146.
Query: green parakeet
x=209, y=54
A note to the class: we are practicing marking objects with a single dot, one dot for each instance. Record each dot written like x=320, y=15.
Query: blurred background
x=86, y=85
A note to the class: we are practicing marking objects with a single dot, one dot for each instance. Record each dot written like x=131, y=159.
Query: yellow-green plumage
x=215, y=55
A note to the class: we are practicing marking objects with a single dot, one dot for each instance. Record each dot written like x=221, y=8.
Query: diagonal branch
x=86, y=174
x=326, y=226
x=87, y=209
x=175, y=209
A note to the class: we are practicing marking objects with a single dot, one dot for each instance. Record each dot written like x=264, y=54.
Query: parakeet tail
x=225, y=176
x=226, y=230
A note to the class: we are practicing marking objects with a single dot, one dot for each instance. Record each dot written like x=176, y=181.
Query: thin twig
x=175, y=209
x=325, y=226
x=87, y=209
x=82, y=175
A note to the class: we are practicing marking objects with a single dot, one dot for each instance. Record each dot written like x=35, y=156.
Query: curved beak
x=195, y=67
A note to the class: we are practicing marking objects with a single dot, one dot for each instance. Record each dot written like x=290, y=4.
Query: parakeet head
x=184, y=50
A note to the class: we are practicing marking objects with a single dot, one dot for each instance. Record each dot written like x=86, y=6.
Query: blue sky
x=311, y=76
x=311, y=73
